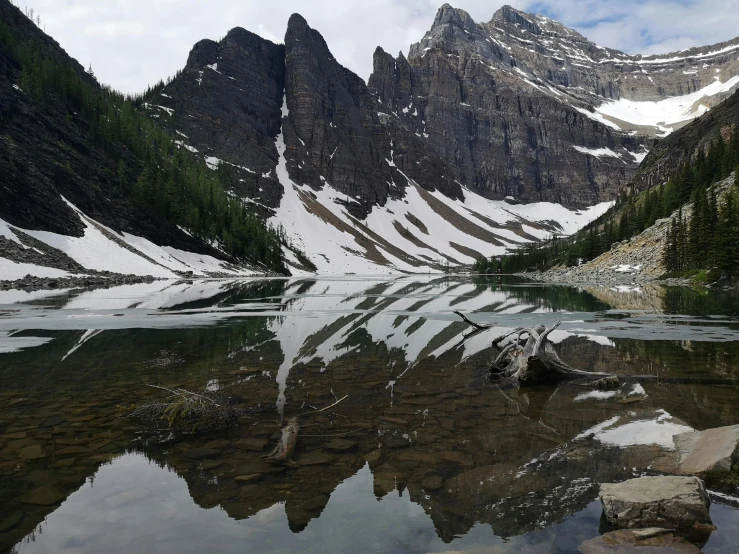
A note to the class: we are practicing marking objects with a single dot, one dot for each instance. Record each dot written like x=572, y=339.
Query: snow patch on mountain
x=319, y=225
x=665, y=114
x=103, y=249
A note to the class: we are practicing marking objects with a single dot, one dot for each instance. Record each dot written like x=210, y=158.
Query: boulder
x=627, y=541
x=709, y=450
x=674, y=502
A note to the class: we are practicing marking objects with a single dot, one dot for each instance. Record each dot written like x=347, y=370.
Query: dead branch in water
x=283, y=452
x=517, y=331
x=535, y=360
x=468, y=321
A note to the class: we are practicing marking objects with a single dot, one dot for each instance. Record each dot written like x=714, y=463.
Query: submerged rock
x=674, y=502
x=43, y=496
x=33, y=452
x=340, y=445
x=10, y=521
x=374, y=458
x=626, y=541
x=709, y=450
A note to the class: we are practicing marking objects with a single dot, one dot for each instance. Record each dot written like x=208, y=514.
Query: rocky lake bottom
x=418, y=453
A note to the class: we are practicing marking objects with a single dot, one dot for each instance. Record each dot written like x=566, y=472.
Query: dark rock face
x=225, y=104
x=506, y=108
x=511, y=104
x=332, y=132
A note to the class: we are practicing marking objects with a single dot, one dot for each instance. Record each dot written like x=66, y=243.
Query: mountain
x=524, y=106
x=89, y=185
x=486, y=137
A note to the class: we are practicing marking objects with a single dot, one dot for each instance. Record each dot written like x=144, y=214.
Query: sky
x=133, y=43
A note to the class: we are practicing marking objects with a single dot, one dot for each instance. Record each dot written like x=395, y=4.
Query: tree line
x=151, y=169
x=706, y=241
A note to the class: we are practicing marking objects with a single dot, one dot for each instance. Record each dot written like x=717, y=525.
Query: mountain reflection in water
x=423, y=455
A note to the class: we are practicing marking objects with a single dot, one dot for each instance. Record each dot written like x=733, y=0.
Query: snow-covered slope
x=100, y=249
x=422, y=232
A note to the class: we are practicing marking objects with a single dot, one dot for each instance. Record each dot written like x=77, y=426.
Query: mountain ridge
x=487, y=136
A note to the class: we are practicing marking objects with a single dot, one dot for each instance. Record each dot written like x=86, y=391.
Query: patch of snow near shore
x=669, y=111
x=11, y=271
x=626, y=268
x=96, y=251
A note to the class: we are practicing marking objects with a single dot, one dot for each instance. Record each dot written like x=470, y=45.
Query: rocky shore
x=105, y=279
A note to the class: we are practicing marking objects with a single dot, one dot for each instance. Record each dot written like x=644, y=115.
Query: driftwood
x=535, y=360
x=479, y=327
x=283, y=452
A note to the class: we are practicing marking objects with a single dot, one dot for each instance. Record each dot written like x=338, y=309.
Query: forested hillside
x=143, y=170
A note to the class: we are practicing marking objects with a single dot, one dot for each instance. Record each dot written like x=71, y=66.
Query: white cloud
x=132, y=43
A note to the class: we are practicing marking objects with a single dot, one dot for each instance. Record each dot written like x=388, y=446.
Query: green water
x=423, y=454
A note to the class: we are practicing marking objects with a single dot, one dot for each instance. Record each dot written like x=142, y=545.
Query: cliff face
x=225, y=106
x=523, y=106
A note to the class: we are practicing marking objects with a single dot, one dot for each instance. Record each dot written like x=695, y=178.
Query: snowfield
x=667, y=113
x=102, y=249
x=420, y=233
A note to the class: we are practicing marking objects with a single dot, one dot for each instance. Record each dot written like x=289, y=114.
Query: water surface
x=423, y=455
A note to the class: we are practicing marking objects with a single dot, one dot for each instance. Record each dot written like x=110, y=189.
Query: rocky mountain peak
x=516, y=17
x=243, y=38
x=298, y=30
x=297, y=24
x=204, y=52
x=448, y=15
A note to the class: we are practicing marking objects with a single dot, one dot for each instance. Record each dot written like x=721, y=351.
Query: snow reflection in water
x=461, y=464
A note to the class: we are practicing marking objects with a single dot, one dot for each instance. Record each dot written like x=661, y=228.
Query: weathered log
x=517, y=331
x=536, y=361
x=283, y=452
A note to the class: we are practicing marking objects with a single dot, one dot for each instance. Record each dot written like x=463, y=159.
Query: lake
x=418, y=452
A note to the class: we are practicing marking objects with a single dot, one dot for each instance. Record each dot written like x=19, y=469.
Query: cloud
x=133, y=43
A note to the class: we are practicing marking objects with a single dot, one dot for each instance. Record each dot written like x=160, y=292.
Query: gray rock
x=709, y=450
x=673, y=502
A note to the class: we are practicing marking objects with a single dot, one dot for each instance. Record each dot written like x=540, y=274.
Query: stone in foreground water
x=626, y=541
x=673, y=502
x=709, y=450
